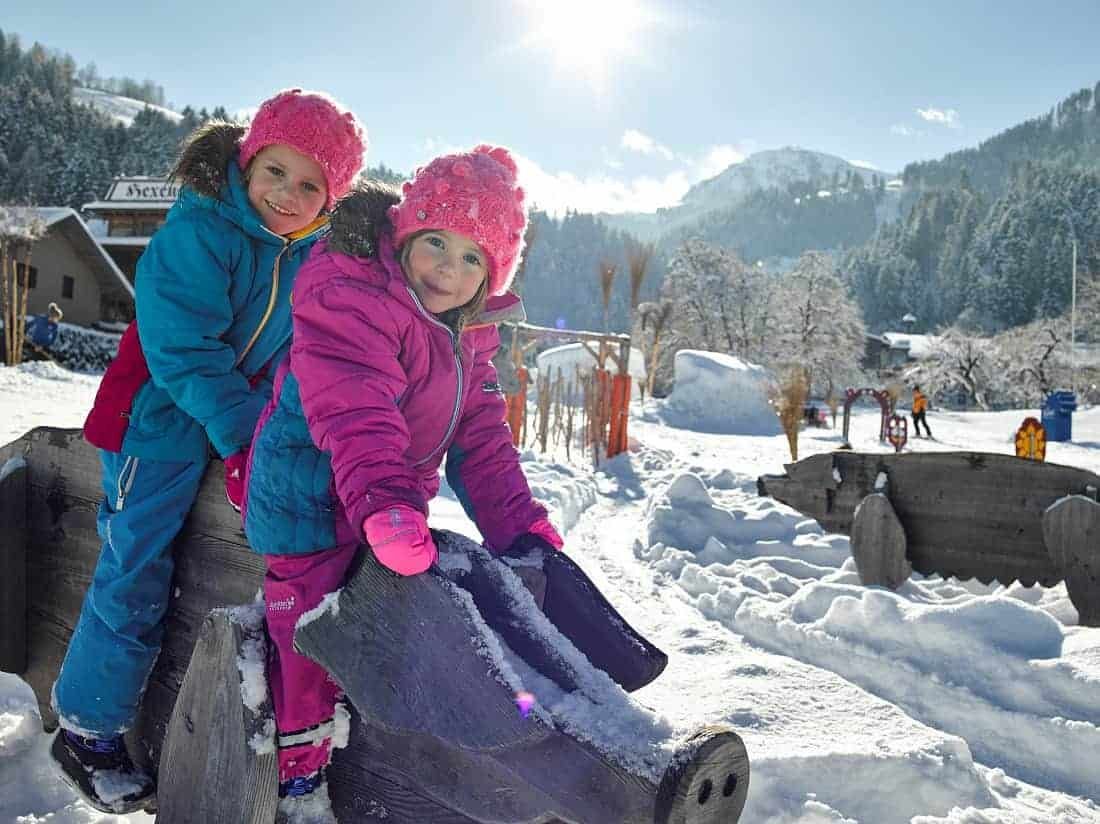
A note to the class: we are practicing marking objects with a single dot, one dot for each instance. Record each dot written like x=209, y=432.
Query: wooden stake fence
x=604, y=397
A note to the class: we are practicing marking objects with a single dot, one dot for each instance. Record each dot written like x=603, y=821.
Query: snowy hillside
x=774, y=169
x=947, y=702
x=121, y=109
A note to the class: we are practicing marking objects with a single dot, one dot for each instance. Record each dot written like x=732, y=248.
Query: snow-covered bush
x=84, y=350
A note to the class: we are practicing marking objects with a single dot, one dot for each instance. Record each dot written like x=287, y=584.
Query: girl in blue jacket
x=213, y=312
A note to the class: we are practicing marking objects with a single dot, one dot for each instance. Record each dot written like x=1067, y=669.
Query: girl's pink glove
x=234, y=477
x=400, y=539
x=545, y=530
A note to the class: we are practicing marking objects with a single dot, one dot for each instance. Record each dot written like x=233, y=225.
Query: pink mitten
x=400, y=540
x=545, y=530
x=234, y=478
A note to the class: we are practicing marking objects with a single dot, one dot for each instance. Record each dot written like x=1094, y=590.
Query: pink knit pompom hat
x=315, y=125
x=473, y=194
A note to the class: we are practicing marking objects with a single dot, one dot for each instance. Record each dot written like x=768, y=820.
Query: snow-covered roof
x=124, y=206
x=107, y=240
x=85, y=243
x=919, y=346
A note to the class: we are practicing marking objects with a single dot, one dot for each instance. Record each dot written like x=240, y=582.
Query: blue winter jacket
x=41, y=331
x=210, y=278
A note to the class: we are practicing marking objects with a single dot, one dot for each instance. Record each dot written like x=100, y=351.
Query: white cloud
x=555, y=192
x=717, y=160
x=864, y=164
x=638, y=142
x=944, y=117
x=613, y=191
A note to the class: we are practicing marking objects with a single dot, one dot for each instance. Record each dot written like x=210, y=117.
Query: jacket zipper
x=456, y=351
x=271, y=301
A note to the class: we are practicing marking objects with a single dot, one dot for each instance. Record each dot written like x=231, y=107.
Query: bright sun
x=588, y=37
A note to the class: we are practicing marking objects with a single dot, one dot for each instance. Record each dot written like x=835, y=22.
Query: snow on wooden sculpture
x=961, y=514
x=433, y=748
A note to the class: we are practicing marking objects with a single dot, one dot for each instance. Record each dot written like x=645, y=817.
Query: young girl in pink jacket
x=389, y=373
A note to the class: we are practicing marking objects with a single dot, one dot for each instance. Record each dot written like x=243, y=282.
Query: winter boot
x=305, y=801
x=101, y=772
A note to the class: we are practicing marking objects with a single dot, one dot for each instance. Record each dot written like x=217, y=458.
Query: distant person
x=920, y=406
x=389, y=373
x=42, y=330
x=191, y=377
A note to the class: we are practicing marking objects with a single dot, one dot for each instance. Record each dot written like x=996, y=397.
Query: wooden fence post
x=13, y=566
x=218, y=762
x=517, y=408
x=620, y=412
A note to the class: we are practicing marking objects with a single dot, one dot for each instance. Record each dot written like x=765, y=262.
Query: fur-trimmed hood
x=205, y=156
x=359, y=217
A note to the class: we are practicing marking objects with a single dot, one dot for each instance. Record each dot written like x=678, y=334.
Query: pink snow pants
x=304, y=694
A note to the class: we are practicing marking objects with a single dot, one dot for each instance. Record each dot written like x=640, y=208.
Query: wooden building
x=124, y=221
x=69, y=267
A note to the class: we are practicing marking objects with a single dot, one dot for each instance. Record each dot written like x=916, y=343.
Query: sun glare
x=588, y=38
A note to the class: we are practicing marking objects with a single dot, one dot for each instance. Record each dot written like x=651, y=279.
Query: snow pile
x=973, y=660
x=42, y=393
x=720, y=393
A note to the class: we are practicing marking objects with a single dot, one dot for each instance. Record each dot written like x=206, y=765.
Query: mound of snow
x=720, y=393
x=572, y=357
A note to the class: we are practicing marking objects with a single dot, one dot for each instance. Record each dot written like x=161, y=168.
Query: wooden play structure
x=435, y=738
x=605, y=395
x=962, y=514
x=884, y=401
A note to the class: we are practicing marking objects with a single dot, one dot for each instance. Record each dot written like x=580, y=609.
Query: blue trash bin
x=1058, y=411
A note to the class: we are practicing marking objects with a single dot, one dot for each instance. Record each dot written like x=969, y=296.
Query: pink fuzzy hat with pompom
x=473, y=194
x=315, y=125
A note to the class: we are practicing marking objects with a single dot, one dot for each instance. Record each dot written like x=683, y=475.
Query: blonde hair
x=459, y=317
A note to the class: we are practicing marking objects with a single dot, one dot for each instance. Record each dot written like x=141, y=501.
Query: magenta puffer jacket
x=375, y=393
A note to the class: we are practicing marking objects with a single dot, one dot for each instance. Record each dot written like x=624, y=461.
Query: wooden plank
x=707, y=781
x=965, y=514
x=531, y=330
x=13, y=565
x=1071, y=528
x=878, y=544
x=572, y=603
x=209, y=768
x=398, y=646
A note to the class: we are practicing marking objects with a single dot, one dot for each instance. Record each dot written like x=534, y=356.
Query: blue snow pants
x=118, y=635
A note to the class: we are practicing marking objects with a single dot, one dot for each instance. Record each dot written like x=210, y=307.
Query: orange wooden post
x=620, y=409
x=605, y=407
x=517, y=407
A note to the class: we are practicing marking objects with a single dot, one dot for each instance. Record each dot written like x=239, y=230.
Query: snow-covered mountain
x=770, y=169
x=121, y=109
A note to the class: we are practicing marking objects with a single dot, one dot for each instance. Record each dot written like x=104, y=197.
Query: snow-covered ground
x=948, y=701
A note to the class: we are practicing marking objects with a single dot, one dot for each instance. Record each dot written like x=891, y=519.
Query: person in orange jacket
x=920, y=406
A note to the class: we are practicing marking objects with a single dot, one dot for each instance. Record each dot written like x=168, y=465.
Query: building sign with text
x=152, y=190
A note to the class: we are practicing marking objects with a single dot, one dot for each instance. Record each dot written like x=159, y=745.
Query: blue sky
x=612, y=104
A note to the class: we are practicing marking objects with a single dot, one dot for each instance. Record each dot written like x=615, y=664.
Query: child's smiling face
x=445, y=269
x=286, y=188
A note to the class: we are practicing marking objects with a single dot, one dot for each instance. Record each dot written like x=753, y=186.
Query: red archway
x=880, y=395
